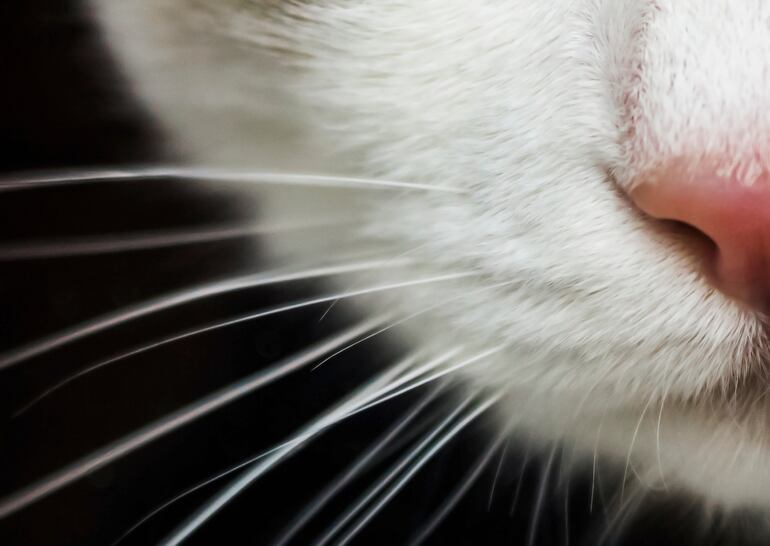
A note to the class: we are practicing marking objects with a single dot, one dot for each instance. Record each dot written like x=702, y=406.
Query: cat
x=495, y=180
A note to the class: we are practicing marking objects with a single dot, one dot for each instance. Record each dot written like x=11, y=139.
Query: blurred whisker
x=631, y=444
x=459, y=492
x=520, y=481
x=177, y=419
x=84, y=246
x=497, y=475
x=205, y=174
x=162, y=303
x=542, y=490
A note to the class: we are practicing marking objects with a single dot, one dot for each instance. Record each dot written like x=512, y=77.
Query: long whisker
x=104, y=322
x=408, y=317
x=204, y=174
x=195, y=488
x=398, y=368
x=432, y=377
x=437, y=446
x=459, y=492
x=618, y=522
x=631, y=445
x=112, y=244
x=340, y=411
x=540, y=500
x=520, y=481
x=177, y=419
x=392, y=473
x=497, y=475
x=357, y=467
x=657, y=439
x=223, y=324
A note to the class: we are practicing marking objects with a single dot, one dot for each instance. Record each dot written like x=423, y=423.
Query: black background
x=64, y=103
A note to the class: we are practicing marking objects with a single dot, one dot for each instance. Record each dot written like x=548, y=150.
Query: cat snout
x=729, y=205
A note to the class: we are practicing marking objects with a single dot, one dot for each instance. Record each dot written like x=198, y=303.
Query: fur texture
x=543, y=114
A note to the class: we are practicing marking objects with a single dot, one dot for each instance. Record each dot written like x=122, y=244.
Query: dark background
x=63, y=103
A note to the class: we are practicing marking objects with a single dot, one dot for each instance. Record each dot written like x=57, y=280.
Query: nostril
x=705, y=247
x=729, y=225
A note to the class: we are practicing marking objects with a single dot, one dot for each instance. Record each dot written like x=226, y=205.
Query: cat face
x=545, y=117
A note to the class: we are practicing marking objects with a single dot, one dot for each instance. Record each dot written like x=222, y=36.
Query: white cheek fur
x=520, y=104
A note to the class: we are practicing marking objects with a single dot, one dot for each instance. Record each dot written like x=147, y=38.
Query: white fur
x=544, y=112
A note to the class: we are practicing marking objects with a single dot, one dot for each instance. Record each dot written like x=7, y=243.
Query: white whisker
x=522, y=471
x=195, y=488
x=631, y=445
x=394, y=371
x=163, y=303
x=405, y=319
x=361, y=463
x=540, y=500
x=617, y=523
x=175, y=420
x=497, y=475
x=203, y=174
x=432, y=377
x=566, y=510
x=657, y=440
x=446, y=508
x=391, y=474
x=342, y=410
x=216, y=326
x=594, y=465
x=422, y=461
x=111, y=244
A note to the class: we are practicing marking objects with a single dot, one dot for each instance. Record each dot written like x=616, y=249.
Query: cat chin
x=711, y=449
x=657, y=449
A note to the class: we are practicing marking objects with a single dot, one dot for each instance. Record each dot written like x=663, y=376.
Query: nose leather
x=733, y=211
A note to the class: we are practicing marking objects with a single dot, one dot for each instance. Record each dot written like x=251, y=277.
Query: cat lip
x=732, y=216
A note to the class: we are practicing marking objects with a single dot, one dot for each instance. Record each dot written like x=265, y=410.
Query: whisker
x=223, y=324
x=459, y=492
x=618, y=522
x=631, y=445
x=408, y=317
x=394, y=371
x=497, y=475
x=204, y=174
x=432, y=377
x=359, y=465
x=566, y=509
x=594, y=466
x=113, y=244
x=195, y=488
x=520, y=481
x=175, y=420
x=104, y=322
x=340, y=411
x=417, y=465
x=391, y=474
x=540, y=501
x=657, y=439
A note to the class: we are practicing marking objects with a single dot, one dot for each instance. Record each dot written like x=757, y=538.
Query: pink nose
x=734, y=213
